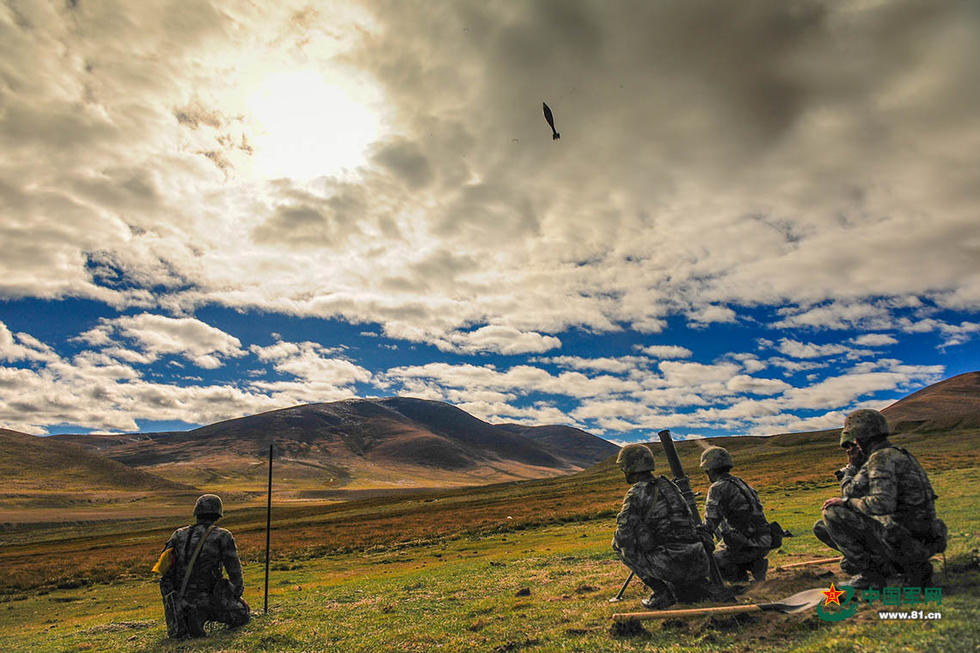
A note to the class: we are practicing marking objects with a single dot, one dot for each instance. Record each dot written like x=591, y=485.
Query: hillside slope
x=950, y=404
x=28, y=462
x=356, y=444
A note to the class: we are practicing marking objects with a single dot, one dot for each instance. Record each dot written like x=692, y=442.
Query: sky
x=760, y=215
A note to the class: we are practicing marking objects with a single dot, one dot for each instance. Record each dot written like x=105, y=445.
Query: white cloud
x=499, y=339
x=520, y=380
x=798, y=349
x=874, y=340
x=693, y=374
x=618, y=365
x=309, y=362
x=158, y=335
x=23, y=347
x=752, y=385
x=666, y=351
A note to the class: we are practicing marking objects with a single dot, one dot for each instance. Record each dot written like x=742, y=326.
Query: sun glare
x=307, y=125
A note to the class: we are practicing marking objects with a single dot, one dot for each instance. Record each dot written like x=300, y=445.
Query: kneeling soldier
x=886, y=522
x=193, y=587
x=734, y=513
x=656, y=536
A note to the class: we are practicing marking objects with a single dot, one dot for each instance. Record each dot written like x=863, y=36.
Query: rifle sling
x=190, y=564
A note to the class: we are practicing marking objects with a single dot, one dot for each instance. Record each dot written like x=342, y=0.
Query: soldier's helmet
x=846, y=438
x=863, y=425
x=634, y=458
x=209, y=504
x=715, y=458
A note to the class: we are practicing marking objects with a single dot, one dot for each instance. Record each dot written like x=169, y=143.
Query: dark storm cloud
x=310, y=221
x=804, y=113
x=406, y=161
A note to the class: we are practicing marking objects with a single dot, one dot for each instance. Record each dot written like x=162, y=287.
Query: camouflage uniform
x=734, y=512
x=656, y=538
x=888, y=517
x=847, y=490
x=887, y=523
x=209, y=596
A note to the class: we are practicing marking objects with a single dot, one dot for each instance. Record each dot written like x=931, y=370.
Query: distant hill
x=29, y=463
x=948, y=405
x=566, y=442
x=354, y=445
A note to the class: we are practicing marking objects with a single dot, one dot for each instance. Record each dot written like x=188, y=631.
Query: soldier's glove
x=839, y=474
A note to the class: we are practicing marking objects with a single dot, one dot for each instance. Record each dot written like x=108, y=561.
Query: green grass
x=459, y=591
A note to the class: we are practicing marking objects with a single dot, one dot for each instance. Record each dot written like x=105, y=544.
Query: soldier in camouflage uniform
x=734, y=513
x=656, y=536
x=885, y=523
x=209, y=596
x=845, y=476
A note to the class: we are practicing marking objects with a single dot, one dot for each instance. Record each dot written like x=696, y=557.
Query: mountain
x=948, y=405
x=355, y=445
x=29, y=462
x=572, y=445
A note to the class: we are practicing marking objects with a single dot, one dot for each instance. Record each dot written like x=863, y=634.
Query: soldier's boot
x=759, y=568
x=738, y=574
x=658, y=601
x=868, y=579
x=918, y=575
x=195, y=623
x=661, y=597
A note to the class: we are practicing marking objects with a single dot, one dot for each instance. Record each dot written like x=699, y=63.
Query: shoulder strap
x=653, y=501
x=929, y=493
x=740, y=484
x=190, y=563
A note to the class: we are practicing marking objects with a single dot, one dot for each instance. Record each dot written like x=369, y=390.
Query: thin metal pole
x=622, y=590
x=268, y=531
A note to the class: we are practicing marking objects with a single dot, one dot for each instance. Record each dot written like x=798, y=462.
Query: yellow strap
x=165, y=562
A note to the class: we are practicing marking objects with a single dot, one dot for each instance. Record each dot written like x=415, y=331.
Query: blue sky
x=758, y=217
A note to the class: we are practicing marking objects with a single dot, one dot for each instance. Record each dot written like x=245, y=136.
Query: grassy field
x=512, y=567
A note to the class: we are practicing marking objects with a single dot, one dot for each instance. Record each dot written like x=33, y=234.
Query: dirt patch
x=628, y=628
x=116, y=626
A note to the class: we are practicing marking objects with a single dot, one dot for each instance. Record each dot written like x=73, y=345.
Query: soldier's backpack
x=180, y=620
x=776, y=531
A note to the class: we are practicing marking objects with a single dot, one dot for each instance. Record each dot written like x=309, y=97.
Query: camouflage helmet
x=209, y=504
x=846, y=438
x=715, y=458
x=635, y=458
x=863, y=425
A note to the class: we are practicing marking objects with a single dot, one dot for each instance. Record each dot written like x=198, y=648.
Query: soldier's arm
x=632, y=537
x=168, y=578
x=629, y=524
x=229, y=557
x=847, y=480
x=714, y=507
x=882, y=495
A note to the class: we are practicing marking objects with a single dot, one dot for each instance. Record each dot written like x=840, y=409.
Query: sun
x=308, y=124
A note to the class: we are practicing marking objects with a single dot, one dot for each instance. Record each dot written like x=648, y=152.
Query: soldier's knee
x=835, y=514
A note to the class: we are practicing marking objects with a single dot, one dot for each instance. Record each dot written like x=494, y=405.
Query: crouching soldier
x=886, y=521
x=734, y=513
x=194, y=590
x=656, y=536
x=845, y=476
